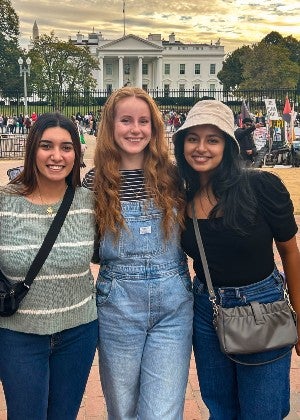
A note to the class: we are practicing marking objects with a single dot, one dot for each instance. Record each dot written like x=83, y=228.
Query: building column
x=121, y=70
x=140, y=72
x=100, y=73
x=159, y=71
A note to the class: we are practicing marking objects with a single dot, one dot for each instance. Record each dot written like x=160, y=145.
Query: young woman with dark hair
x=47, y=347
x=239, y=212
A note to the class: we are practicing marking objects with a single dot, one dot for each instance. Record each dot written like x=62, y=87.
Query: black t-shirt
x=236, y=260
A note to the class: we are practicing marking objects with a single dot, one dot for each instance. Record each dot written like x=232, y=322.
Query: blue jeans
x=44, y=376
x=232, y=391
x=145, y=312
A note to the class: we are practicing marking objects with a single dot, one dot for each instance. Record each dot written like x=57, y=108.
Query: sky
x=234, y=22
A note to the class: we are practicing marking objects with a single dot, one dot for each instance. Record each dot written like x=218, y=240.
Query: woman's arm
x=290, y=257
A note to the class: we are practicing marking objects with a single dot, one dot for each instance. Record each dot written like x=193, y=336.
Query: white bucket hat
x=209, y=112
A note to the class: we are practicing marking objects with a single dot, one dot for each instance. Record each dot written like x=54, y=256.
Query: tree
x=268, y=66
x=293, y=46
x=272, y=63
x=9, y=21
x=58, y=65
x=231, y=74
x=273, y=38
x=10, y=80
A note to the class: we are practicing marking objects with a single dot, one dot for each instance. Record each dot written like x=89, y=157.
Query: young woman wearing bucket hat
x=239, y=212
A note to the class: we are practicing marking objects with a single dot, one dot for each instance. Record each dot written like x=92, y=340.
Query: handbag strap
x=50, y=237
x=211, y=292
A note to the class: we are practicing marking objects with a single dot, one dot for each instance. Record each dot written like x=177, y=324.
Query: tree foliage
x=9, y=21
x=268, y=66
x=273, y=38
x=272, y=63
x=57, y=65
x=10, y=80
x=231, y=74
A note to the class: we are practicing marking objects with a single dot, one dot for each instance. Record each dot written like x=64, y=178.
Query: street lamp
x=25, y=70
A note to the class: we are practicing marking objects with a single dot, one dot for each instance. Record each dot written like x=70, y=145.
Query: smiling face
x=55, y=155
x=204, y=148
x=132, y=130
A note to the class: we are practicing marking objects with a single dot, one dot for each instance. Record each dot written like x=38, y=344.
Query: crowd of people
x=17, y=124
x=134, y=214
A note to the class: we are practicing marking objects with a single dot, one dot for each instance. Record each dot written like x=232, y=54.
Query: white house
x=154, y=63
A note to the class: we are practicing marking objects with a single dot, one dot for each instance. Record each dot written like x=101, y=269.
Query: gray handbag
x=253, y=328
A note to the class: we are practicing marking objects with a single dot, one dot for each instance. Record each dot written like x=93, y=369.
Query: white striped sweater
x=62, y=295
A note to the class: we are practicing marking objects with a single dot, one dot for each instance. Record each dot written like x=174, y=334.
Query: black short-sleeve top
x=235, y=259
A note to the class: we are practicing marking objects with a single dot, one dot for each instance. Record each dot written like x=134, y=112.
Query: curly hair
x=162, y=181
x=28, y=178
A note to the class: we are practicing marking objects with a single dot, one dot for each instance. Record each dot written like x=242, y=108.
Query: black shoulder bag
x=11, y=294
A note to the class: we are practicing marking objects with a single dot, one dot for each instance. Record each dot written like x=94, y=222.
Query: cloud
x=235, y=22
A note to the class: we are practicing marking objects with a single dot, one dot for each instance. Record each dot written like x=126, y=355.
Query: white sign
x=260, y=137
x=271, y=109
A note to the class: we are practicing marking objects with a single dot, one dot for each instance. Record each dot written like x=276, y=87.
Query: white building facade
x=154, y=63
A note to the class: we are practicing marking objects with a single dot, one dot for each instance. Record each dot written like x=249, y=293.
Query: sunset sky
x=235, y=22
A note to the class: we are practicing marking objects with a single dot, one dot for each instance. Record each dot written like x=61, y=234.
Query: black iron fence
x=84, y=102
x=12, y=146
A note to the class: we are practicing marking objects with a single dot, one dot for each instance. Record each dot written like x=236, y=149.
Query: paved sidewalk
x=93, y=404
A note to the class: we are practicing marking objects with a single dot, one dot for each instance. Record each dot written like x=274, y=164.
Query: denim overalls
x=145, y=312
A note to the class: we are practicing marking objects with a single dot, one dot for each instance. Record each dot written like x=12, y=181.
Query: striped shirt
x=132, y=185
x=62, y=295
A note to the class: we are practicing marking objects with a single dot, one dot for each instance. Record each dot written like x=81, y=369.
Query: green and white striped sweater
x=62, y=295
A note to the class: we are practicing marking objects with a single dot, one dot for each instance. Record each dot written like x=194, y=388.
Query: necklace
x=49, y=209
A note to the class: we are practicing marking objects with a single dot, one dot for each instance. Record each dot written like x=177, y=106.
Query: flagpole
x=124, y=17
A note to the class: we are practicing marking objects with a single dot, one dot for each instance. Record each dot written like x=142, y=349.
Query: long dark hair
x=230, y=183
x=29, y=176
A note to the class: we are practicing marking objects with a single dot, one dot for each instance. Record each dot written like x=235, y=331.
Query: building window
x=181, y=68
x=181, y=90
x=212, y=69
x=167, y=68
x=145, y=68
x=109, y=88
x=145, y=87
x=109, y=69
x=197, y=68
x=212, y=87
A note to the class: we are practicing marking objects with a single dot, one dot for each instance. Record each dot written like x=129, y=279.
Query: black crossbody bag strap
x=50, y=238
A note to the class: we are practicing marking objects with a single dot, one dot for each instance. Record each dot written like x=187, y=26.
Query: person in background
x=1, y=123
x=239, y=212
x=47, y=347
x=27, y=124
x=33, y=117
x=144, y=295
x=244, y=136
x=20, y=121
x=82, y=140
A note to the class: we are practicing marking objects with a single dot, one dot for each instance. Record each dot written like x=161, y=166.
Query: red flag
x=287, y=110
